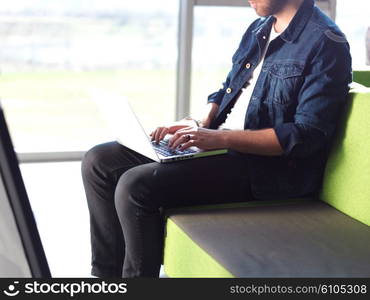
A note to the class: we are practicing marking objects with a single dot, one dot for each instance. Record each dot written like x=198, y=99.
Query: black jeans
x=127, y=193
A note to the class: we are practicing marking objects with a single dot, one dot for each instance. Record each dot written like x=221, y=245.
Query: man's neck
x=284, y=16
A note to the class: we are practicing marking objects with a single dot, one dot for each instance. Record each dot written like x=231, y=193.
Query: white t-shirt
x=236, y=118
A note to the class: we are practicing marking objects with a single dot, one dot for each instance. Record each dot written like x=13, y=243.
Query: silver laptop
x=130, y=133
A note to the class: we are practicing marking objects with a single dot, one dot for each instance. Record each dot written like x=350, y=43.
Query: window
x=217, y=33
x=59, y=204
x=353, y=19
x=53, y=52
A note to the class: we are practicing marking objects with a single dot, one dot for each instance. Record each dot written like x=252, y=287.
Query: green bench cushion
x=179, y=247
x=307, y=239
x=178, y=243
x=346, y=183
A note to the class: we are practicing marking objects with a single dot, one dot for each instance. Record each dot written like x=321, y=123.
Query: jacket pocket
x=285, y=81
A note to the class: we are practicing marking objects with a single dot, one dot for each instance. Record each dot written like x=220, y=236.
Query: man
x=277, y=112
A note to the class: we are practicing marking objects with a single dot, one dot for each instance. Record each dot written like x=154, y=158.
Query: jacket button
x=264, y=37
x=248, y=65
x=229, y=90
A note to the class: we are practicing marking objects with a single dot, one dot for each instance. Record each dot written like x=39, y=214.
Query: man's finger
x=185, y=129
x=174, y=138
x=163, y=133
x=153, y=134
x=187, y=145
x=158, y=136
x=182, y=139
x=157, y=133
x=179, y=134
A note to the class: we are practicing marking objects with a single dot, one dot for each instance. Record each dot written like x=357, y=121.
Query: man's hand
x=159, y=133
x=261, y=142
x=202, y=138
x=186, y=123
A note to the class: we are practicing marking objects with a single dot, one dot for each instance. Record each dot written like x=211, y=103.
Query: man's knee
x=136, y=187
x=94, y=158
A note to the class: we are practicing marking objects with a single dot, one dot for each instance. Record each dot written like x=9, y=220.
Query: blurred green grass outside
x=52, y=110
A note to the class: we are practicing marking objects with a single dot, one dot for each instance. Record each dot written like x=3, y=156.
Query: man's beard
x=272, y=7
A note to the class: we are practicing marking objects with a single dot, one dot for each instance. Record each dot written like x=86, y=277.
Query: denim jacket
x=300, y=93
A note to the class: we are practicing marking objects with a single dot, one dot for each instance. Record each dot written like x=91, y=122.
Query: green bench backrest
x=362, y=77
x=346, y=184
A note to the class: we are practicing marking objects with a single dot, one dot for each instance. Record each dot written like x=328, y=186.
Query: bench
x=325, y=237
x=362, y=77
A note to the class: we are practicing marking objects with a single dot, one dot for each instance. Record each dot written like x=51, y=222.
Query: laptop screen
x=21, y=251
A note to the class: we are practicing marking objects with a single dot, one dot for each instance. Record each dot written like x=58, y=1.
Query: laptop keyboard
x=163, y=149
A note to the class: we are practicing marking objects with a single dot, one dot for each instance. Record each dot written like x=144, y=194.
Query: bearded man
x=276, y=113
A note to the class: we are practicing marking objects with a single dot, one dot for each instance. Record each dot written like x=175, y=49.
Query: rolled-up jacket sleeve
x=217, y=97
x=299, y=140
x=320, y=100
